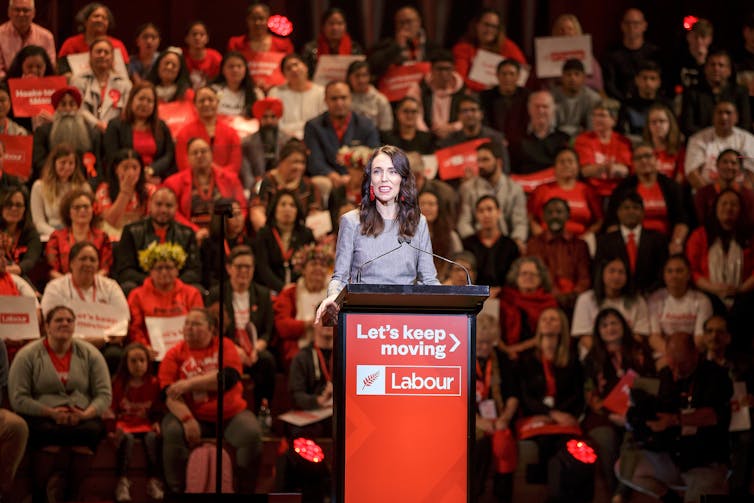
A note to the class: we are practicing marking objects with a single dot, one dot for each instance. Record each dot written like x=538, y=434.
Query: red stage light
x=280, y=25
x=581, y=451
x=689, y=22
x=309, y=450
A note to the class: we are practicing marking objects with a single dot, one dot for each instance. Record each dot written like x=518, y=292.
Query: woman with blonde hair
x=568, y=25
x=62, y=173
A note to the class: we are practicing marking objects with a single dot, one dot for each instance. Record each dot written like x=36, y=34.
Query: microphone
x=402, y=240
x=362, y=266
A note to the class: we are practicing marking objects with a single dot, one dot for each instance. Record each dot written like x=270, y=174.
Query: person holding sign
x=188, y=376
x=91, y=295
x=8, y=126
x=203, y=63
x=333, y=39
x=12, y=285
x=615, y=357
x=162, y=295
x=18, y=236
x=389, y=215
x=103, y=91
x=61, y=387
x=486, y=33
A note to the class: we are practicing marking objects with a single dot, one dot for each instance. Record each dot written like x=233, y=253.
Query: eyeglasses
x=243, y=267
x=11, y=205
x=164, y=268
x=80, y=207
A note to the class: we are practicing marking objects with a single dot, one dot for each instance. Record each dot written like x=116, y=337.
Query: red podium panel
x=404, y=415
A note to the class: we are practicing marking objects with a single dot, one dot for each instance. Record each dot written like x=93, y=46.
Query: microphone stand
x=224, y=210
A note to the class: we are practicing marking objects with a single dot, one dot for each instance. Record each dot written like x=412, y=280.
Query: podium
x=404, y=392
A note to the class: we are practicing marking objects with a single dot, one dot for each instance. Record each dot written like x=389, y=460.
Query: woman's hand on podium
x=327, y=312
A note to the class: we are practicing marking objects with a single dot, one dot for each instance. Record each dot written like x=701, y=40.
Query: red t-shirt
x=655, y=209
x=132, y=405
x=582, y=200
x=203, y=70
x=144, y=143
x=592, y=151
x=670, y=165
x=62, y=364
x=181, y=362
x=77, y=44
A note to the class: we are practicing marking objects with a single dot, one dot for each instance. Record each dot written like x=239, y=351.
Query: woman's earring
x=371, y=193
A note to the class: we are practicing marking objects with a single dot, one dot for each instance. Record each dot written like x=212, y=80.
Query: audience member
x=139, y=128
x=622, y=64
x=439, y=94
x=30, y=61
x=283, y=234
x=680, y=432
x=260, y=151
x=235, y=87
x=642, y=248
x=405, y=133
x=445, y=240
x=568, y=25
x=202, y=62
x=61, y=174
x=103, y=91
x=61, y=387
x=605, y=155
x=744, y=58
x=21, y=31
x=124, y=195
x=302, y=99
x=79, y=224
x=662, y=132
x=93, y=21
x=147, y=45
x=705, y=146
x=574, y=101
x=632, y=118
x=7, y=125
x=716, y=86
x=366, y=99
x=565, y=255
x=506, y=103
x=470, y=115
x=456, y=275
x=486, y=33
x=224, y=140
x=729, y=167
x=296, y=306
x=188, y=376
x=13, y=432
x=325, y=134
x=213, y=259
x=13, y=285
x=7, y=181
x=686, y=69
x=333, y=39
x=18, y=236
x=159, y=227
x=447, y=195
x=492, y=181
x=534, y=149
x=170, y=77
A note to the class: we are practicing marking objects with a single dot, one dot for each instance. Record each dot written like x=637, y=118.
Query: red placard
x=459, y=160
x=533, y=180
x=30, y=96
x=264, y=68
x=529, y=427
x=17, y=158
x=177, y=114
x=399, y=78
x=618, y=399
x=406, y=408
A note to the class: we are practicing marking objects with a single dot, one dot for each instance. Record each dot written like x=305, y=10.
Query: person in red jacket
x=297, y=303
x=198, y=188
x=162, y=295
x=226, y=145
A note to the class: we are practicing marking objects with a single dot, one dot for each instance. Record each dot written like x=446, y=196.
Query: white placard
x=164, y=333
x=98, y=320
x=79, y=63
x=739, y=416
x=334, y=67
x=484, y=69
x=552, y=52
x=243, y=126
x=305, y=417
x=320, y=223
x=18, y=318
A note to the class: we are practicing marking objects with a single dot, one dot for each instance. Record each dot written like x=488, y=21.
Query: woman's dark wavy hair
x=598, y=356
x=299, y=221
x=182, y=81
x=247, y=84
x=154, y=119
x=471, y=31
x=113, y=183
x=87, y=10
x=408, y=216
x=715, y=230
x=599, y=284
x=15, y=70
x=5, y=195
x=121, y=377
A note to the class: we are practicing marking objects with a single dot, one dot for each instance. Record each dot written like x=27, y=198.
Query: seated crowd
x=610, y=213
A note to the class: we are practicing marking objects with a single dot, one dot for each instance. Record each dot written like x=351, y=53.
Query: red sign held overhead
x=399, y=78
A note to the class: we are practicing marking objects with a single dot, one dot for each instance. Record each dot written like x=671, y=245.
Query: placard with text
x=399, y=78
x=552, y=52
x=18, y=318
x=406, y=407
x=264, y=68
x=18, y=155
x=32, y=95
x=164, y=333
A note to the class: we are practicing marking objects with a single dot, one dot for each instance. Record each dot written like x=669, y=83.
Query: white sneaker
x=123, y=490
x=155, y=489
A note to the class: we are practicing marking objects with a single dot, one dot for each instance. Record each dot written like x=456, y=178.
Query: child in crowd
x=137, y=408
x=147, y=43
x=574, y=99
x=202, y=62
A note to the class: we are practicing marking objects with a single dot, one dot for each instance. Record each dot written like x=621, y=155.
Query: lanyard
x=323, y=365
x=487, y=376
x=81, y=293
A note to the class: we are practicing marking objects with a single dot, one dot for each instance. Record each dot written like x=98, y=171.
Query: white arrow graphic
x=457, y=343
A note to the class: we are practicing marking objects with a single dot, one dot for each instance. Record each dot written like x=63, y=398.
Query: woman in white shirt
x=302, y=99
x=235, y=87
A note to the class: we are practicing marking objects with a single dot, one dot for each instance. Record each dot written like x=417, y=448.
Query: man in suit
x=325, y=134
x=643, y=249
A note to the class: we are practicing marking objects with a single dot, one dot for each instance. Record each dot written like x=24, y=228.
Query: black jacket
x=260, y=312
x=119, y=134
x=270, y=267
x=652, y=251
x=569, y=386
x=42, y=148
x=671, y=192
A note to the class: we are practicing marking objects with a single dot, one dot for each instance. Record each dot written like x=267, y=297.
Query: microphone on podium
x=402, y=240
x=362, y=266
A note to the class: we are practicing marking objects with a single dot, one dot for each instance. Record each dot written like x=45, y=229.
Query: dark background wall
x=446, y=19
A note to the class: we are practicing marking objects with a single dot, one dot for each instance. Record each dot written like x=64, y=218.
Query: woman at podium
x=383, y=241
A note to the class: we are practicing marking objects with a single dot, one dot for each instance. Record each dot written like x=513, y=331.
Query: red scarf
x=513, y=302
x=547, y=367
x=344, y=46
x=8, y=286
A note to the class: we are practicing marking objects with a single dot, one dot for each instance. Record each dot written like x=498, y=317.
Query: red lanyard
x=81, y=294
x=549, y=377
x=323, y=365
x=287, y=254
x=487, y=376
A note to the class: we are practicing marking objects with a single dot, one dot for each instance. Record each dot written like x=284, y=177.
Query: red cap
x=58, y=95
x=263, y=105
